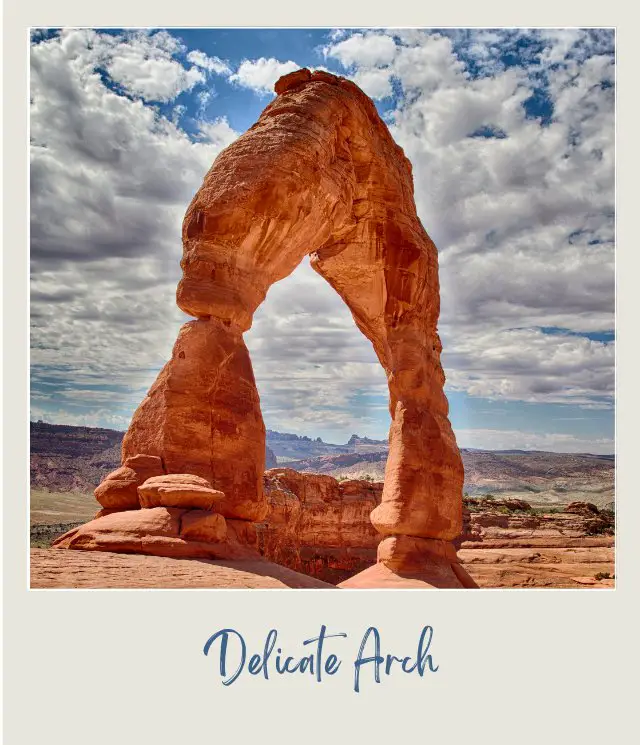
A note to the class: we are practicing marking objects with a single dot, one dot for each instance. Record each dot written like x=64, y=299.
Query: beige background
x=127, y=666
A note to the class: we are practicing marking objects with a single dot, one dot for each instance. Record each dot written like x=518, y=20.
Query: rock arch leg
x=202, y=416
x=423, y=480
x=391, y=288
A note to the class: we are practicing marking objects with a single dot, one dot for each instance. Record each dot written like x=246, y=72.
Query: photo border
x=507, y=643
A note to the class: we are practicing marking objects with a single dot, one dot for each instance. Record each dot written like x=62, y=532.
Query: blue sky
x=511, y=135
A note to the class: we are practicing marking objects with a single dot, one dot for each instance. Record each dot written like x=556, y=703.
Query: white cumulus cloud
x=364, y=50
x=211, y=64
x=261, y=75
x=110, y=181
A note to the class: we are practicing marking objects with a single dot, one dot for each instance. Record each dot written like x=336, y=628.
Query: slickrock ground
x=101, y=569
x=504, y=547
x=542, y=567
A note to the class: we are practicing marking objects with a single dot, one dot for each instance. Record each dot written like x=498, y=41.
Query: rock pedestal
x=177, y=518
x=406, y=562
x=318, y=174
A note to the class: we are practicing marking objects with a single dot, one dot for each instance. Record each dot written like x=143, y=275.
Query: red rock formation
x=407, y=561
x=178, y=519
x=202, y=525
x=505, y=544
x=119, y=490
x=318, y=174
x=320, y=526
x=582, y=508
x=179, y=490
x=158, y=531
x=202, y=416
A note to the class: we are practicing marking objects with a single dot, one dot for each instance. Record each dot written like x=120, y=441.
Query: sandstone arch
x=318, y=174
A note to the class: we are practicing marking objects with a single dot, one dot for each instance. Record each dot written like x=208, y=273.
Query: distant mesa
x=270, y=458
x=67, y=458
x=355, y=440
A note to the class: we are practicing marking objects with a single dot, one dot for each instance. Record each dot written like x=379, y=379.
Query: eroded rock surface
x=119, y=490
x=159, y=531
x=202, y=416
x=102, y=569
x=318, y=174
x=179, y=490
x=320, y=526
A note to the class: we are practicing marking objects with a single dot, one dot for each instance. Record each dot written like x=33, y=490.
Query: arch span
x=318, y=174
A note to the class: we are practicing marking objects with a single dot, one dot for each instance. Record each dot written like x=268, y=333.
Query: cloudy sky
x=511, y=135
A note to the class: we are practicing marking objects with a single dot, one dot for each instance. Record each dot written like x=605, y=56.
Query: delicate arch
x=317, y=174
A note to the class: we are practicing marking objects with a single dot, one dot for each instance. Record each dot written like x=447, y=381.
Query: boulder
x=202, y=525
x=182, y=490
x=242, y=532
x=145, y=466
x=119, y=490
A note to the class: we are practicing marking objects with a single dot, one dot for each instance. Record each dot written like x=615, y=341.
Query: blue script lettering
x=423, y=660
x=313, y=663
x=331, y=667
x=223, y=635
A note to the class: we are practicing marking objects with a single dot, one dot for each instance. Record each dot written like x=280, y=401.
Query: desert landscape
x=530, y=519
x=318, y=180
